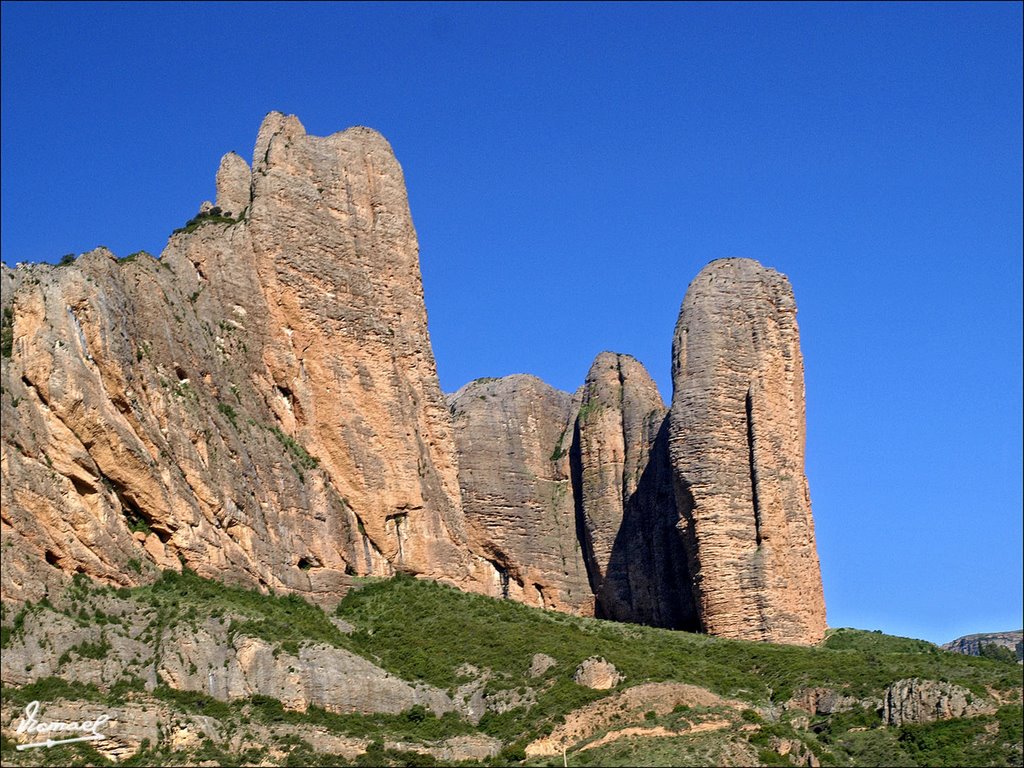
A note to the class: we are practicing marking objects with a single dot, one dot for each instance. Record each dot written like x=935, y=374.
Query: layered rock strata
x=736, y=443
x=260, y=404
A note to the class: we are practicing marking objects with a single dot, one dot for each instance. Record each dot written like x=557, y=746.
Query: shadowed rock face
x=625, y=501
x=569, y=498
x=260, y=404
x=736, y=442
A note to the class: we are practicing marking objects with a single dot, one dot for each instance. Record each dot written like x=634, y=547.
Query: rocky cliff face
x=976, y=645
x=512, y=437
x=261, y=404
x=635, y=557
x=570, y=497
x=923, y=701
x=737, y=446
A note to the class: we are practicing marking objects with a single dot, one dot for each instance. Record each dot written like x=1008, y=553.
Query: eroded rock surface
x=922, y=701
x=206, y=657
x=513, y=436
x=737, y=449
x=261, y=403
x=623, y=483
x=597, y=673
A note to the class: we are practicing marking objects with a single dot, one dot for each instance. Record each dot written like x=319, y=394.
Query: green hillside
x=427, y=632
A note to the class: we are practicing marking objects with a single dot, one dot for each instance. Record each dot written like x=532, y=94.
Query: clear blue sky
x=572, y=167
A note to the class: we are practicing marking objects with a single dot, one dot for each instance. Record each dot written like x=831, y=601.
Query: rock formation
x=737, y=448
x=635, y=558
x=570, y=497
x=975, y=645
x=512, y=437
x=923, y=701
x=261, y=405
x=597, y=673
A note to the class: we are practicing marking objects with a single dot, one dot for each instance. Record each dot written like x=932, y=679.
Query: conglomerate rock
x=512, y=436
x=634, y=555
x=261, y=402
x=737, y=449
x=261, y=405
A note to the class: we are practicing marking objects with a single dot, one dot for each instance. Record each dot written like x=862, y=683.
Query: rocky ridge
x=973, y=645
x=261, y=405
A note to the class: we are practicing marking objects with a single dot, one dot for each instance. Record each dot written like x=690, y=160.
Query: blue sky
x=572, y=167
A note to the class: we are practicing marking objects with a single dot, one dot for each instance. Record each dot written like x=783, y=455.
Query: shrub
x=7, y=332
x=228, y=411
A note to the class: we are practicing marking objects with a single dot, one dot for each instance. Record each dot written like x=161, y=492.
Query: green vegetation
x=85, y=650
x=229, y=411
x=998, y=652
x=65, y=260
x=426, y=632
x=558, y=451
x=133, y=256
x=136, y=522
x=967, y=741
x=301, y=456
x=288, y=621
x=212, y=216
x=589, y=407
x=7, y=331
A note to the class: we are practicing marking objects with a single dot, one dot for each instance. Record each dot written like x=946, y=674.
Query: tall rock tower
x=261, y=404
x=737, y=450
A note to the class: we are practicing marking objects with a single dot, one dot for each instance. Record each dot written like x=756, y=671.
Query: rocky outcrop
x=512, y=437
x=208, y=656
x=261, y=403
x=234, y=186
x=973, y=645
x=597, y=673
x=827, y=701
x=349, y=361
x=635, y=558
x=922, y=701
x=737, y=449
x=629, y=705
x=573, y=494
x=540, y=664
x=696, y=519
x=149, y=722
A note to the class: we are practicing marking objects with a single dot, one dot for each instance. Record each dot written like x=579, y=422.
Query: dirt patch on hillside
x=631, y=704
x=659, y=732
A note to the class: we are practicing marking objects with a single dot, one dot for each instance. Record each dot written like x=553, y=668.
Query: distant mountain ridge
x=972, y=645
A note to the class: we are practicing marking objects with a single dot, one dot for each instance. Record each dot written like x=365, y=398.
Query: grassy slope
x=426, y=631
